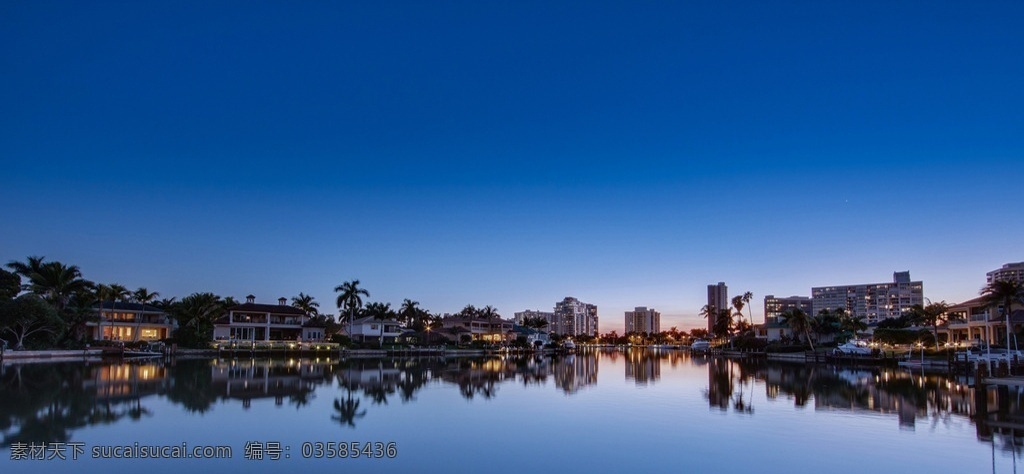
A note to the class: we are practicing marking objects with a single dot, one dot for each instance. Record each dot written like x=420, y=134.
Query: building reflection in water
x=643, y=366
x=575, y=372
x=48, y=402
x=277, y=379
x=912, y=397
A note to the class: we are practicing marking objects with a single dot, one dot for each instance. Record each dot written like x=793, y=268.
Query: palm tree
x=77, y=314
x=723, y=323
x=380, y=312
x=166, y=303
x=798, y=321
x=850, y=323
x=116, y=293
x=1004, y=293
x=196, y=314
x=737, y=304
x=710, y=313
x=490, y=313
x=934, y=313
x=470, y=312
x=307, y=304
x=350, y=299
x=30, y=267
x=409, y=312
x=348, y=410
x=143, y=297
x=57, y=282
x=537, y=322
x=826, y=323
x=101, y=292
x=750, y=313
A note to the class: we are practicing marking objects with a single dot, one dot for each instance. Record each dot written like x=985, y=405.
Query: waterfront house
x=371, y=329
x=453, y=334
x=263, y=322
x=129, y=322
x=973, y=321
x=533, y=336
x=490, y=330
x=774, y=330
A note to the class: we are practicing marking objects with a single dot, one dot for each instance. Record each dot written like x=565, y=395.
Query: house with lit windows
x=372, y=329
x=253, y=321
x=496, y=330
x=129, y=322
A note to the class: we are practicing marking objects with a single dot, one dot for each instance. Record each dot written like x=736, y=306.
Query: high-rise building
x=642, y=319
x=774, y=328
x=1010, y=271
x=872, y=301
x=545, y=315
x=718, y=299
x=775, y=306
x=573, y=317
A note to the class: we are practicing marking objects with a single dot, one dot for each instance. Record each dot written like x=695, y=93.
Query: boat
x=140, y=354
x=700, y=345
x=569, y=345
x=853, y=347
x=909, y=362
x=149, y=349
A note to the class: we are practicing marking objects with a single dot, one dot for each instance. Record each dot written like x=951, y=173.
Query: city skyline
x=514, y=155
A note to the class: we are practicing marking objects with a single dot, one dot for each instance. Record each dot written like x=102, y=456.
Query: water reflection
x=912, y=398
x=49, y=402
x=249, y=380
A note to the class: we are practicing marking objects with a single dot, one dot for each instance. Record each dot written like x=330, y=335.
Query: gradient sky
x=514, y=153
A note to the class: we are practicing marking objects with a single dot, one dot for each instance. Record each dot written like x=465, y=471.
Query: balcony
x=279, y=321
x=135, y=319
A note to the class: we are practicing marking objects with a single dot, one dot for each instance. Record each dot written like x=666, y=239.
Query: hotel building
x=1010, y=271
x=718, y=299
x=574, y=317
x=872, y=301
x=545, y=315
x=774, y=328
x=643, y=320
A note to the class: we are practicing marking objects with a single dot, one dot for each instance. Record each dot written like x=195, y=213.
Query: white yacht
x=854, y=347
x=700, y=345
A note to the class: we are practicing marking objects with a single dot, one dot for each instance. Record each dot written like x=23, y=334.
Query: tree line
x=49, y=304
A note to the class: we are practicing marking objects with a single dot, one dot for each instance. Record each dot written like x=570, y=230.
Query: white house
x=370, y=329
x=262, y=322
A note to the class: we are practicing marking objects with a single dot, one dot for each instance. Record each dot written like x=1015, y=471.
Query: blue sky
x=514, y=153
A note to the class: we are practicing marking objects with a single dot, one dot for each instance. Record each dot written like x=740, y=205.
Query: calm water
x=593, y=412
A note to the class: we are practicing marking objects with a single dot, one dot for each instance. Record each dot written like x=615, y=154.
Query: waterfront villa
x=533, y=336
x=972, y=321
x=129, y=322
x=496, y=330
x=370, y=329
x=265, y=322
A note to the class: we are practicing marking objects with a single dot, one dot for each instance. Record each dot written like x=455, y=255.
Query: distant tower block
x=718, y=299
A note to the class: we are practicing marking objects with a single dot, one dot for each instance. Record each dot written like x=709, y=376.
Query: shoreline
x=98, y=354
